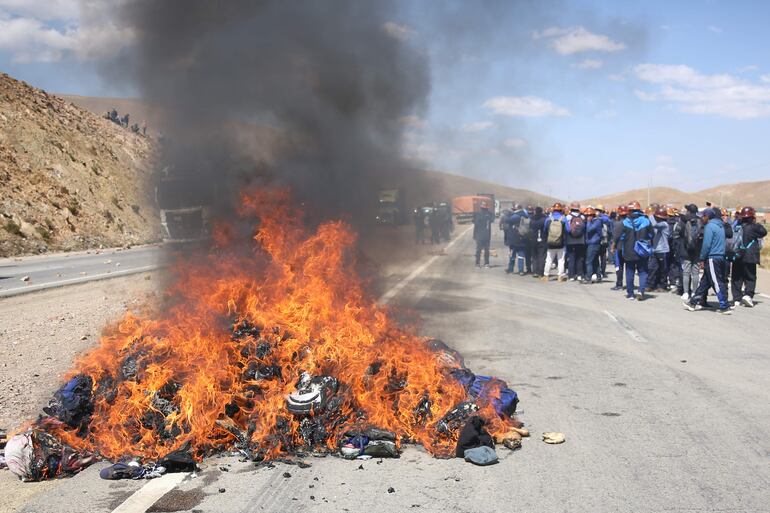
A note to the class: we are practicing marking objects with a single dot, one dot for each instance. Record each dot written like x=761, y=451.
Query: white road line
x=630, y=331
x=149, y=494
x=393, y=292
x=74, y=281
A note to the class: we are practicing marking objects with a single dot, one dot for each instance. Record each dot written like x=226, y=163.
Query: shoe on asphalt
x=521, y=273
x=639, y=296
x=508, y=271
x=685, y=297
x=545, y=279
x=691, y=307
x=734, y=305
x=617, y=287
x=573, y=279
x=747, y=302
x=562, y=278
x=478, y=265
x=630, y=298
x=486, y=266
x=724, y=311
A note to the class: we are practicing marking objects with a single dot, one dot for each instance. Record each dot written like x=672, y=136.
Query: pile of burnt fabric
x=368, y=443
x=474, y=443
x=35, y=455
x=179, y=460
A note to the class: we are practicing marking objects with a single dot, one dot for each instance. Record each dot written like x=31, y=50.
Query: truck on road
x=391, y=208
x=463, y=207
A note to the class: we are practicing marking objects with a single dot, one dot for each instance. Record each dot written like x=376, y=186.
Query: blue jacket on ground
x=713, y=240
x=594, y=231
x=660, y=240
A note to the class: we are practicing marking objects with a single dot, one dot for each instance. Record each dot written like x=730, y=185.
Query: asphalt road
x=30, y=274
x=663, y=409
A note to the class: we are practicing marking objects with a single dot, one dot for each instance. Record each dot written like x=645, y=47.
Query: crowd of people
x=123, y=121
x=435, y=220
x=657, y=249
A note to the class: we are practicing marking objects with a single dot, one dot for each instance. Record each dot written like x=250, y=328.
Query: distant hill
x=756, y=194
x=70, y=179
x=447, y=186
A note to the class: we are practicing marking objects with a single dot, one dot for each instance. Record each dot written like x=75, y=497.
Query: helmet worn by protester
x=590, y=211
x=672, y=211
x=557, y=207
x=748, y=213
x=623, y=210
x=600, y=208
x=574, y=205
x=661, y=212
x=634, y=205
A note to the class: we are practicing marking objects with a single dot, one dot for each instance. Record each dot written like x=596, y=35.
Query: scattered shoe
x=747, y=302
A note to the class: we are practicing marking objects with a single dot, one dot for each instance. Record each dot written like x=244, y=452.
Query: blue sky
x=573, y=99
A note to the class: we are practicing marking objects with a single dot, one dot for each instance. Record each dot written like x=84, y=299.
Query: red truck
x=463, y=207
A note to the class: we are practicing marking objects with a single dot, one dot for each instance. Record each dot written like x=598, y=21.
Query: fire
x=238, y=329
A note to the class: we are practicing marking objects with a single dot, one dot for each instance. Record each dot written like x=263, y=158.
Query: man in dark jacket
x=576, y=242
x=593, y=246
x=617, y=233
x=482, y=232
x=691, y=242
x=748, y=238
x=712, y=254
x=606, y=239
x=674, y=268
x=636, y=229
x=539, y=242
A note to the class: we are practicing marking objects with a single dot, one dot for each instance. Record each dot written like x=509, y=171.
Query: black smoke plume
x=309, y=94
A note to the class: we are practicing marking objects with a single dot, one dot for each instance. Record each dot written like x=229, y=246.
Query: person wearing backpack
x=519, y=233
x=658, y=263
x=539, y=242
x=636, y=247
x=712, y=254
x=674, y=268
x=748, y=235
x=594, y=228
x=556, y=233
x=576, y=242
x=692, y=240
x=617, y=232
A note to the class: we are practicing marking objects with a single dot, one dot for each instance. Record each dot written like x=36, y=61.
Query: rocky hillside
x=69, y=179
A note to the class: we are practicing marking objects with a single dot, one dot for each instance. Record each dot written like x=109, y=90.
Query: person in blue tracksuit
x=593, y=246
x=636, y=229
x=712, y=254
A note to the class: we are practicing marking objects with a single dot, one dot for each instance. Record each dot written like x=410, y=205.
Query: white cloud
x=693, y=92
x=748, y=69
x=568, y=41
x=525, y=106
x=765, y=78
x=42, y=10
x=514, y=143
x=27, y=34
x=714, y=29
x=398, y=31
x=477, y=126
x=588, y=64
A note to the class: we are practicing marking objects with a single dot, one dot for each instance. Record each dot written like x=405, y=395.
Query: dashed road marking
x=630, y=331
x=393, y=292
x=149, y=494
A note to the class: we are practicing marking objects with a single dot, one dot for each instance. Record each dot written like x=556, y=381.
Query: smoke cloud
x=306, y=94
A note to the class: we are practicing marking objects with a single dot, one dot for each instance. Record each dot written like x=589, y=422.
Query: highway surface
x=30, y=274
x=663, y=410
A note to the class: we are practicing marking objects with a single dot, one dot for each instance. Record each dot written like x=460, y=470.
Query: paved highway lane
x=663, y=409
x=47, y=271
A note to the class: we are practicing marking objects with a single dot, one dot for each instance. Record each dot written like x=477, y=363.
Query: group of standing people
x=434, y=220
x=123, y=121
x=656, y=249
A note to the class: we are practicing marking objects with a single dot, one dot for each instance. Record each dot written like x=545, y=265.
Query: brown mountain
x=756, y=194
x=70, y=179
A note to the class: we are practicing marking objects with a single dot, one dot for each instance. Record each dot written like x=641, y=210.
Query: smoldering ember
x=280, y=356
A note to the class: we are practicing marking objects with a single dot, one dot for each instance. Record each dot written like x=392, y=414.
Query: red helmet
x=623, y=210
x=661, y=212
x=634, y=205
x=590, y=211
x=557, y=207
x=748, y=212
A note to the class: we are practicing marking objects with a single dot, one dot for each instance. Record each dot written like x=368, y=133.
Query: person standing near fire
x=482, y=232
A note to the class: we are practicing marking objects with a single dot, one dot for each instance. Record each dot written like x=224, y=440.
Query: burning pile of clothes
x=270, y=348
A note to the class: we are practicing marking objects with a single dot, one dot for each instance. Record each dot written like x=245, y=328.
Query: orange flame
x=166, y=379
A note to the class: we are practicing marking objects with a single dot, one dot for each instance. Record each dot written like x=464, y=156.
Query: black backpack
x=693, y=234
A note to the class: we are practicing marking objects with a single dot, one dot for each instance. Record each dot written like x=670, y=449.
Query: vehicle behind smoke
x=185, y=208
x=391, y=208
x=463, y=207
